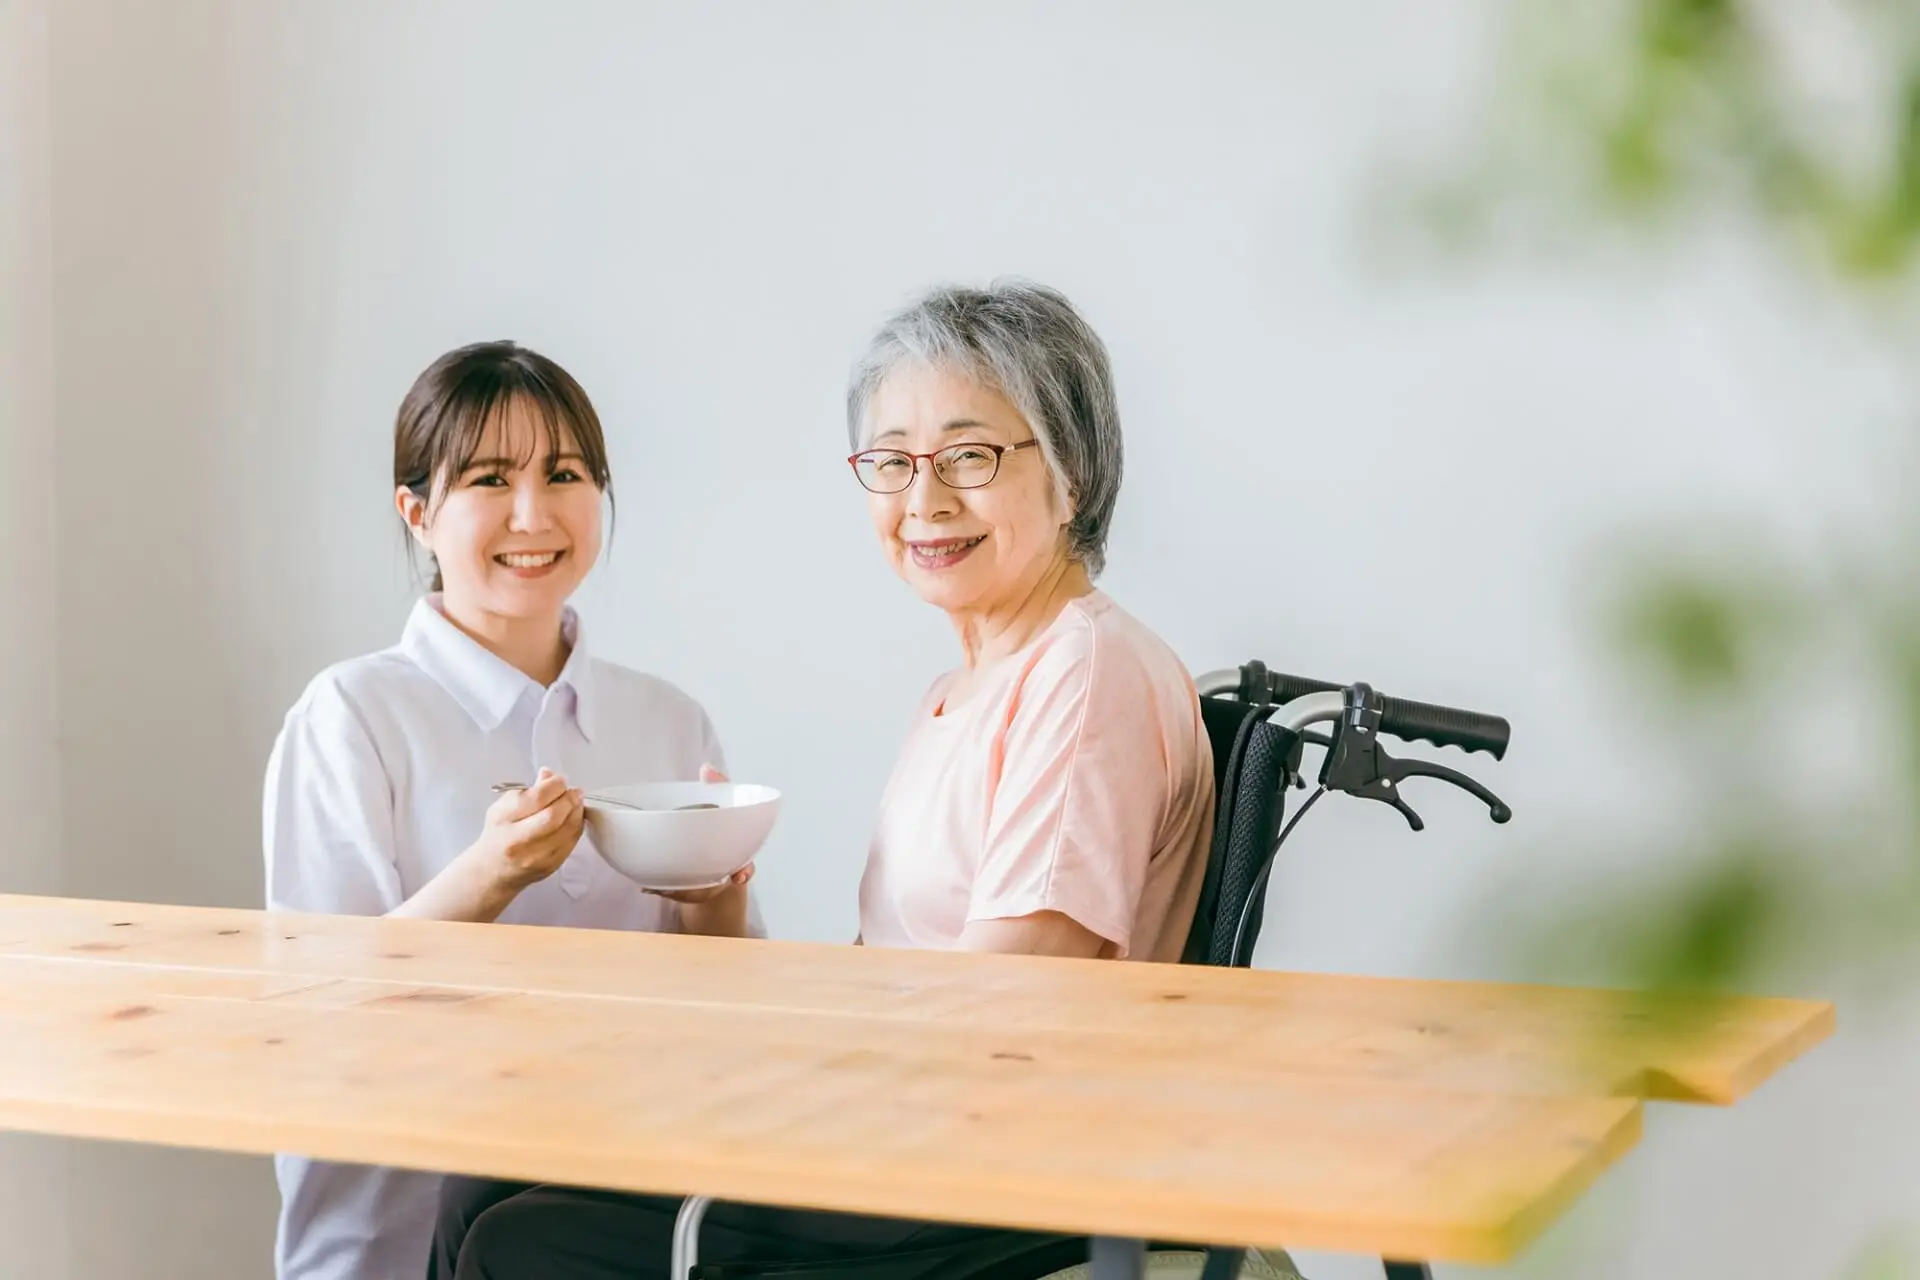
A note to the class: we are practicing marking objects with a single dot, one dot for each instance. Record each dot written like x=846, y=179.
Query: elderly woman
x=1055, y=792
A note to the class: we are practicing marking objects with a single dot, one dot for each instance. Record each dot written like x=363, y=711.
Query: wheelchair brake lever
x=1400, y=770
x=1357, y=764
x=1386, y=790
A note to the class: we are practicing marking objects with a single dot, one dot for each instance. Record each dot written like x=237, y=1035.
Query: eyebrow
x=958, y=424
x=475, y=464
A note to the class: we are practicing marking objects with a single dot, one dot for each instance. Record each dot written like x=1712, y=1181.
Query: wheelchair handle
x=1302, y=702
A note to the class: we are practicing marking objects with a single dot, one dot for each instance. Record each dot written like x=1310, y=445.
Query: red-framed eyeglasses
x=959, y=466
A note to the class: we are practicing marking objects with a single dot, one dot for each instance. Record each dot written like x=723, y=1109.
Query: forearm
x=470, y=889
x=724, y=916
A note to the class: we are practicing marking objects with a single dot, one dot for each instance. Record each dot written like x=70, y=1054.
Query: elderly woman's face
x=963, y=548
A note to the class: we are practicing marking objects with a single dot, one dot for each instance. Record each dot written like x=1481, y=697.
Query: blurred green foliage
x=1797, y=126
x=1794, y=127
x=1644, y=112
x=1888, y=1258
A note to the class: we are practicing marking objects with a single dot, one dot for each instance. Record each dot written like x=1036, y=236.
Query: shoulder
x=936, y=693
x=349, y=722
x=1104, y=652
x=347, y=695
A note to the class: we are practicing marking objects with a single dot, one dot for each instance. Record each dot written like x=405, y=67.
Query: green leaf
x=1703, y=633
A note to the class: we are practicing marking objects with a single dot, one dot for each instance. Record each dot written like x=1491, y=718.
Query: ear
x=413, y=511
x=1063, y=503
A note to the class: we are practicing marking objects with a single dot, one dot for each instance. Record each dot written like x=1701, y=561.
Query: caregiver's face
x=518, y=527
x=962, y=545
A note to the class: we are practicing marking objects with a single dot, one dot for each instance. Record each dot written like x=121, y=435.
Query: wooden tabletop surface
x=1449, y=1121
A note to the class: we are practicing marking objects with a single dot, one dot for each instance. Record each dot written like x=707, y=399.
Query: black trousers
x=511, y=1231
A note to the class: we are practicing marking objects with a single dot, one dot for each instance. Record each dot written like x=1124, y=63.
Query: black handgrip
x=1445, y=726
x=1257, y=684
x=1401, y=717
x=1285, y=688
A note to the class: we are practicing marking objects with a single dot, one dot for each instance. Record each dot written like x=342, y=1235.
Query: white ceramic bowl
x=664, y=847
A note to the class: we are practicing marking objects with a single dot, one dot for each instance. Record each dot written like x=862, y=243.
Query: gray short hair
x=1028, y=343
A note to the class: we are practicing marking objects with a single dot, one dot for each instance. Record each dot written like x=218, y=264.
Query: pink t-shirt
x=1075, y=777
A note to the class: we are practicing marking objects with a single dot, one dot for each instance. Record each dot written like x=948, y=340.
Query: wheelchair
x=1259, y=723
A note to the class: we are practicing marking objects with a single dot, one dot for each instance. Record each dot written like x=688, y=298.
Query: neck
x=536, y=646
x=991, y=633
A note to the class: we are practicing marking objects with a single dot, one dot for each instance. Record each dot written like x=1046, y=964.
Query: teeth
x=525, y=561
x=948, y=548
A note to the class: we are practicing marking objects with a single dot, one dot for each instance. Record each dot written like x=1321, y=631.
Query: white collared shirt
x=380, y=777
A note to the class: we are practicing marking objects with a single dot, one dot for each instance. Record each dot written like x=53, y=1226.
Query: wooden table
x=1420, y=1119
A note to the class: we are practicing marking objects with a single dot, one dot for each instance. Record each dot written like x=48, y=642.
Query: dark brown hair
x=448, y=409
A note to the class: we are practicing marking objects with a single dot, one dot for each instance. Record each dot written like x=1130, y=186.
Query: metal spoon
x=612, y=803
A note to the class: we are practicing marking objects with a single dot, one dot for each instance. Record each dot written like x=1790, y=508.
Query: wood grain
x=1450, y=1121
x=1419, y=1033
x=877, y=1115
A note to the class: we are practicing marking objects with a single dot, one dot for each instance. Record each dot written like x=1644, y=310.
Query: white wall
x=32, y=1170
x=28, y=859
x=270, y=217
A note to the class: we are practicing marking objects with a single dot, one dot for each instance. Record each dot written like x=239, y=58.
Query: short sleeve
x=1081, y=793
x=328, y=813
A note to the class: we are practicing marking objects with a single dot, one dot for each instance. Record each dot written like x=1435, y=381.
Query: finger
x=537, y=826
x=508, y=809
x=741, y=876
x=523, y=802
x=571, y=829
x=710, y=774
x=551, y=819
x=548, y=788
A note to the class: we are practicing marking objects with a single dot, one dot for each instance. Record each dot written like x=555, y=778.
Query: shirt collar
x=486, y=686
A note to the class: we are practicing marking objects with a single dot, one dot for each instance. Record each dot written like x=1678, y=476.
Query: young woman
x=379, y=793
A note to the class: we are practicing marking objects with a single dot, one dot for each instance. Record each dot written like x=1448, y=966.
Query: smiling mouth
x=528, y=562
x=945, y=554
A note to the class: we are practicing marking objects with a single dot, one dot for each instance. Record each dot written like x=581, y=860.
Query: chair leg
x=1408, y=1270
x=686, y=1235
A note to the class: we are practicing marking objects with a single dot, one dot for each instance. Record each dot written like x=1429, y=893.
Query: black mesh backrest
x=1250, y=762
